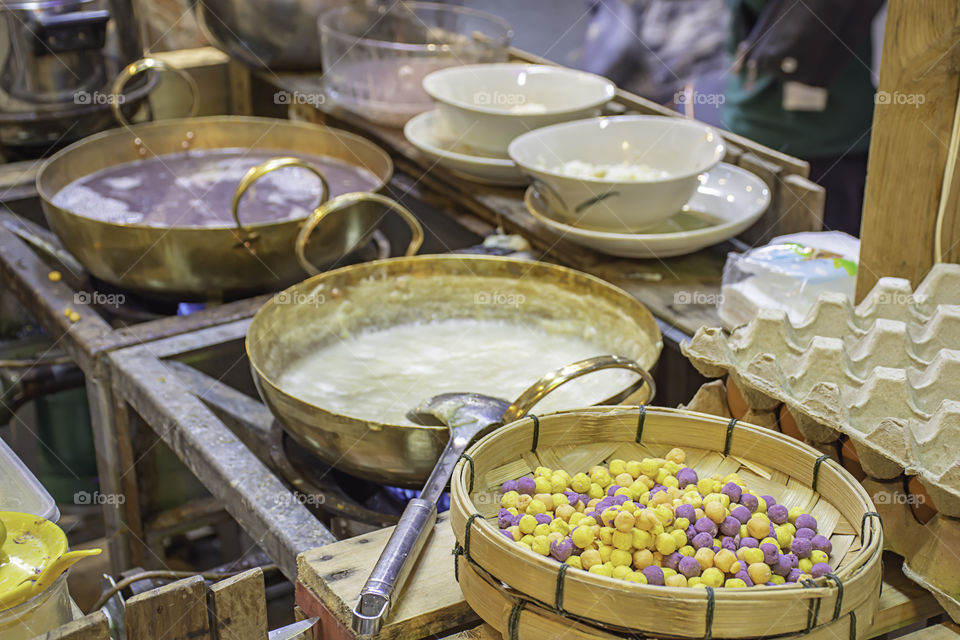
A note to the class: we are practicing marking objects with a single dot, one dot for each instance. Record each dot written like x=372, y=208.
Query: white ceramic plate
x=429, y=135
x=727, y=201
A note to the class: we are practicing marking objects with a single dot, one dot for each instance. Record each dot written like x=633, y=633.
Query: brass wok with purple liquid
x=229, y=260
x=386, y=293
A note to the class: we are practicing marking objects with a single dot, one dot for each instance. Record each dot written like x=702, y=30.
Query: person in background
x=801, y=82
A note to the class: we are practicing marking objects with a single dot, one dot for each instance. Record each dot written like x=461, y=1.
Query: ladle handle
x=145, y=64
x=536, y=392
x=244, y=236
x=405, y=544
x=344, y=201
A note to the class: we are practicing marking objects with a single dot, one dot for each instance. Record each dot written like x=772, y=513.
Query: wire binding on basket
x=640, y=420
x=536, y=432
x=816, y=470
x=813, y=605
x=839, y=583
x=558, y=598
x=711, y=604
x=729, y=440
x=466, y=535
x=466, y=456
x=513, y=622
x=457, y=552
x=863, y=526
x=853, y=626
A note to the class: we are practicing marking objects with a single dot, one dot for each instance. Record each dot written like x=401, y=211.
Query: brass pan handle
x=522, y=405
x=342, y=202
x=145, y=64
x=245, y=236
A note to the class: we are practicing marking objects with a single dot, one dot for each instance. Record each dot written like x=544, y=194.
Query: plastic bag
x=789, y=274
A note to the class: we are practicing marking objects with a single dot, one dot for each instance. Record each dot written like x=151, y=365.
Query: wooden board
x=92, y=627
x=430, y=604
x=179, y=609
x=945, y=631
x=238, y=607
x=909, y=147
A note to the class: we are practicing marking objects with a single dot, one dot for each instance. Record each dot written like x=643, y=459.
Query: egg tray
x=886, y=373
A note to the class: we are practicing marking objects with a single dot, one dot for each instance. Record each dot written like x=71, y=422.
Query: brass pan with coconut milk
x=322, y=314
x=230, y=257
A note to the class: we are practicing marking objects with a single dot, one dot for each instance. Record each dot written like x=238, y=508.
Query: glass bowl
x=375, y=57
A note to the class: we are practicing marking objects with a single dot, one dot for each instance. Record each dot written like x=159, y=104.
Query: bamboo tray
x=501, y=574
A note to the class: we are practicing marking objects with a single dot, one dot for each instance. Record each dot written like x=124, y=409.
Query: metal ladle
x=469, y=416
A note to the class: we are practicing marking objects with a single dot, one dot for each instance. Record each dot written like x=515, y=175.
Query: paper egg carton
x=886, y=373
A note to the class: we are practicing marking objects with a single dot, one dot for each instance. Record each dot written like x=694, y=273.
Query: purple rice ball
x=507, y=534
x=770, y=553
x=691, y=532
x=741, y=513
x=769, y=584
x=733, y=490
x=702, y=540
x=526, y=486
x=821, y=543
x=572, y=497
x=686, y=511
x=504, y=519
x=656, y=489
x=672, y=561
x=749, y=501
x=585, y=499
x=769, y=500
x=716, y=549
x=778, y=514
x=620, y=499
x=749, y=542
x=794, y=560
x=686, y=476
x=820, y=569
x=653, y=574
x=727, y=542
x=773, y=532
x=806, y=521
x=543, y=518
x=509, y=485
x=783, y=566
x=612, y=489
x=794, y=575
x=801, y=547
x=706, y=525
x=743, y=575
x=689, y=567
x=730, y=526
x=803, y=532
x=561, y=549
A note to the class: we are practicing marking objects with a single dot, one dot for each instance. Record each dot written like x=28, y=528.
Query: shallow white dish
x=727, y=201
x=428, y=134
x=488, y=105
x=682, y=149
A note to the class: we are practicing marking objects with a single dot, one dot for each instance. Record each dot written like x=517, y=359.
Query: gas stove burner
x=330, y=491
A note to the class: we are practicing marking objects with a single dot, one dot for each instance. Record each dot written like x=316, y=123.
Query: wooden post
x=910, y=148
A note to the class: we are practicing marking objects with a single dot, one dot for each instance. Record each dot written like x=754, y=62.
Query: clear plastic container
x=375, y=57
x=21, y=491
x=43, y=612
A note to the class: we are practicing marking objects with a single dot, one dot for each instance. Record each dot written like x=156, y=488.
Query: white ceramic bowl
x=678, y=148
x=488, y=105
x=727, y=201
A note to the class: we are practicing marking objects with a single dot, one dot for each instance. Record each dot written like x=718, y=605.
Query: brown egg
x=788, y=426
x=850, y=460
x=735, y=402
x=920, y=502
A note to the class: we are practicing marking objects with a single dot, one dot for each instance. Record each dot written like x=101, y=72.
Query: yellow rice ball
x=642, y=559
x=735, y=583
x=620, y=572
x=580, y=483
x=515, y=532
x=541, y=530
x=711, y=577
x=602, y=569
x=666, y=544
x=667, y=572
x=565, y=512
x=775, y=579
x=817, y=556
x=589, y=558
x=704, y=556
x=559, y=499
x=676, y=580
x=705, y=486
x=536, y=506
x=509, y=500
x=606, y=535
x=542, y=485
x=680, y=537
x=560, y=526
x=676, y=455
x=641, y=539
x=523, y=501
x=649, y=467
x=759, y=572
x=596, y=491
x=575, y=518
x=542, y=471
x=793, y=513
x=630, y=507
x=806, y=565
x=681, y=523
x=752, y=555
x=686, y=550
x=662, y=475
x=621, y=558
x=574, y=561
x=633, y=468
x=605, y=551
x=617, y=466
x=694, y=581
x=636, y=576
x=724, y=560
x=582, y=536
x=527, y=523
x=671, y=481
x=624, y=521
x=622, y=540
x=541, y=545
x=527, y=539
x=761, y=505
x=558, y=484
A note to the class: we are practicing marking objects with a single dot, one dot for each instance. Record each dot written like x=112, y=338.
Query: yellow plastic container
x=33, y=582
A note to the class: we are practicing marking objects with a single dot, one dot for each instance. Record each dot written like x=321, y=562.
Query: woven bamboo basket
x=527, y=596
